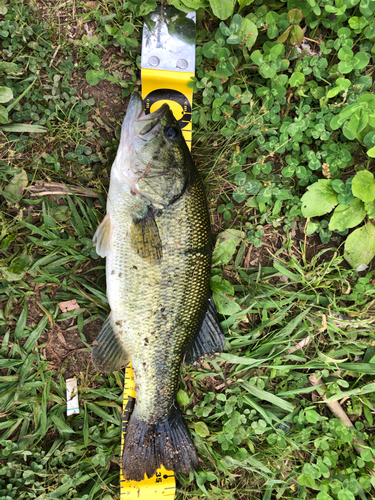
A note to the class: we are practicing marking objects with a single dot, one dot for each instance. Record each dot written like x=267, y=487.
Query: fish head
x=156, y=162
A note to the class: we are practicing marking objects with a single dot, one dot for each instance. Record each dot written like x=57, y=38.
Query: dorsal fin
x=108, y=355
x=210, y=338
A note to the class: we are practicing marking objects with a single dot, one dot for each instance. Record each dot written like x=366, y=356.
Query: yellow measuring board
x=168, y=64
x=159, y=87
x=163, y=484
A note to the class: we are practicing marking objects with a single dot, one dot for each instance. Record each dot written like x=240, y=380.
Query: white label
x=71, y=396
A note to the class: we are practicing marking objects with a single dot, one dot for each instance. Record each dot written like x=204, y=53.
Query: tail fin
x=150, y=445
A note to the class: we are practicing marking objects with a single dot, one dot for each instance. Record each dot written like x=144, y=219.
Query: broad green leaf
x=361, y=60
x=356, y=124
x=360, y=246
x=93, y=76
x=3, y=115
x=345, y=54
x=222, y=8
x=272, y=31
x=179, y=5
x=240, y=195
x=244, y=3
x=296, y=35
x=284, y=36
x=183, y=398
x=311, y=227
x=224, y=304
x=146, y=7
x=312, y=416
x=366, y=455
x=224, y=29
x=345, y=67
x=201, y=429
x=234, y=40
x=13, y=191
x=333, y=92
x=294, y=16
x=257, y=57
x=94, y=60
x=339, y=119
x=346, y=217
x=210, y=49
x=196, y=4
x=17, y=268
x=363, y=186
x=320, y=199
x=323, y=496
x=221, y=285
x=277, y=50
x=127, y=29
x=223, y=252
x=252, y=187
x=226, y=245
x=369, y=139
x=8, y=67
x=367, y=8
x=111, y=30
x=6, y=94
x=272, y=17
x=248, y=32
x=235, y=24
x=297, y=79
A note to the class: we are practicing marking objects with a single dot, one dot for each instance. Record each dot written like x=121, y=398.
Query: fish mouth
x=148, y=125
x=144, y=125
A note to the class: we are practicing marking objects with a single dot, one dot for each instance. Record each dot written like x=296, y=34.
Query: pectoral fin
x=102, y=237
x=210, y=338
x=145, y=237
x=108, y=354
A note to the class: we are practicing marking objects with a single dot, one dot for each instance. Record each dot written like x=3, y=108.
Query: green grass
x=265, y=130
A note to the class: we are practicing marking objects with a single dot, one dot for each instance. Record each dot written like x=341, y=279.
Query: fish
x=157, y=242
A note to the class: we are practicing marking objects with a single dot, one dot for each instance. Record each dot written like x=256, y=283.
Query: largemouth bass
x=157, y=243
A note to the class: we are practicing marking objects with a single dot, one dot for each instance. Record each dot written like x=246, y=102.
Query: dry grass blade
x=41, y=188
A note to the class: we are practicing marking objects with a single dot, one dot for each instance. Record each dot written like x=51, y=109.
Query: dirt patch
x=67, y=352
x=111, y=108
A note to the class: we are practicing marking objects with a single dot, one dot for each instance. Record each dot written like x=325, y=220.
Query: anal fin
x=102, y=237
x=210, y=338
x=108, y=355
x=145, y=237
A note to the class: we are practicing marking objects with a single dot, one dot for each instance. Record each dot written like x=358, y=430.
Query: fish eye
x=171, y=132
